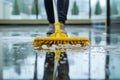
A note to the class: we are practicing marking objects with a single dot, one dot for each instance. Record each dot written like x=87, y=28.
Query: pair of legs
x=63, y=67
x=62, y=6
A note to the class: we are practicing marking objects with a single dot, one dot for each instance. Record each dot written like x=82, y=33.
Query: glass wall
x=98, y=9
x=115, y=39
x=21, y=9
x=24, y=9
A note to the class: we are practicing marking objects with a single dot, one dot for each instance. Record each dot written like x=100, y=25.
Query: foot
x=52, y=29
x=62, y=28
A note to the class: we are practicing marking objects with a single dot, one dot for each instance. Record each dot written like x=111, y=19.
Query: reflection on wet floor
x=19, y=56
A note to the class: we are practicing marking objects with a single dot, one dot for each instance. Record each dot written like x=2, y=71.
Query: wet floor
x=19, y=57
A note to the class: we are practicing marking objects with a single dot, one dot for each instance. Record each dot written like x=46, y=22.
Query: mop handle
x=55, y=10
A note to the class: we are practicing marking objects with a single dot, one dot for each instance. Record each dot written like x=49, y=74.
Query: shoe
x=62, y=28
x=51, y=29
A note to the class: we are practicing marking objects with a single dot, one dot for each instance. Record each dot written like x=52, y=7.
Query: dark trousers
x=63, y=67
x=62, y=6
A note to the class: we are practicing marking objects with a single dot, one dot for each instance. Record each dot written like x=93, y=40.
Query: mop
x=58, y=42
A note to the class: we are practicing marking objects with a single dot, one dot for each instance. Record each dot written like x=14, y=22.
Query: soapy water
x=78, y=48
x=65, y=47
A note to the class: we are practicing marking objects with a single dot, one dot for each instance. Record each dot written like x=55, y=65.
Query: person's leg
x=62, y=10
x=62, y=6
x=50, y=16
x=63, y=68
x=49, y=11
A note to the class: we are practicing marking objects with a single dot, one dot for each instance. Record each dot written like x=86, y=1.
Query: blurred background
x=98, y=20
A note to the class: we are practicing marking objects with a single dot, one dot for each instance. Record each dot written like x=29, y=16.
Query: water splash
x=78, y=48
